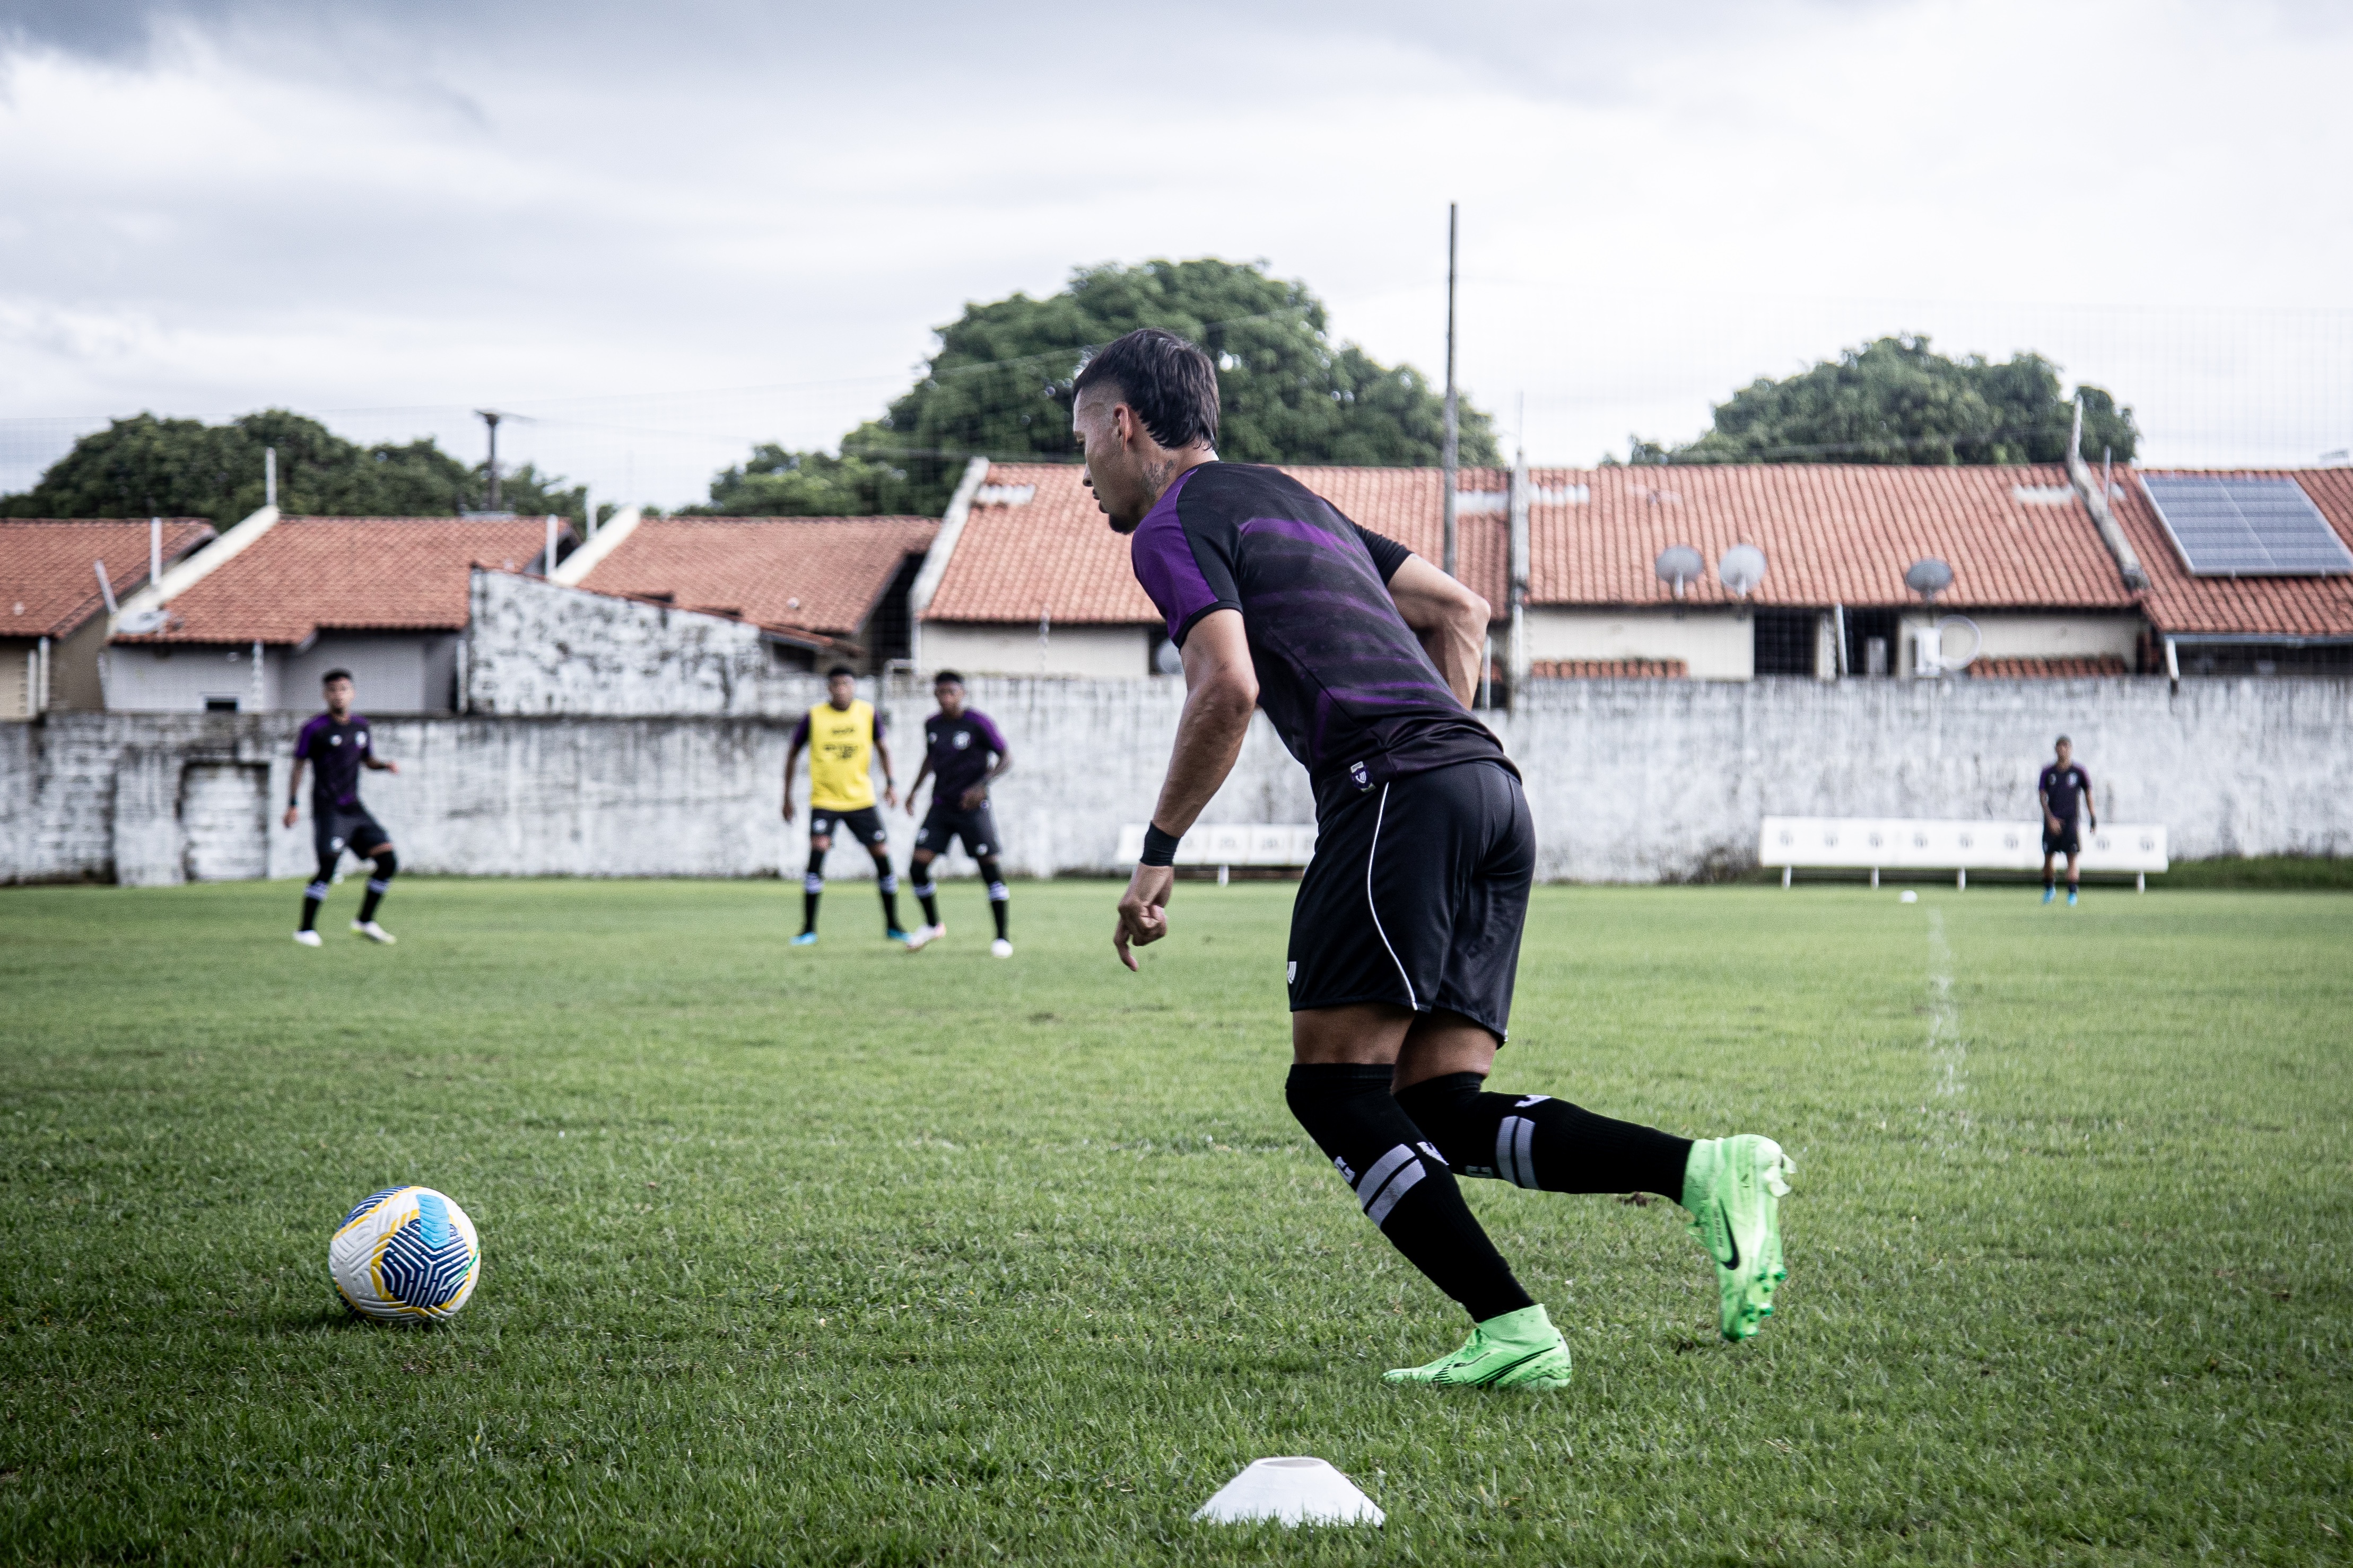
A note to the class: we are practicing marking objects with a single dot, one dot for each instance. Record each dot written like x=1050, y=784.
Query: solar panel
x=2246, y=528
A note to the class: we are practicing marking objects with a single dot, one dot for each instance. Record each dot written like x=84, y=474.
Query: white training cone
x=1909, y=897
x=1293, y=1491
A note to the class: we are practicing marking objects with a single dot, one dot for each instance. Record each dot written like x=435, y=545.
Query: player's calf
x=1536, y=1140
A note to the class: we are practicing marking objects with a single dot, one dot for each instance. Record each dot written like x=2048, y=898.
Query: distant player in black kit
x=2058, y=788
x=337, y=744
x=963, y=753
x=1406, y=932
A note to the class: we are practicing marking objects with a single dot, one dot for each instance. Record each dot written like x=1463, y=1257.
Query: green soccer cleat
x=1514, y=1350
x=1733, y=1188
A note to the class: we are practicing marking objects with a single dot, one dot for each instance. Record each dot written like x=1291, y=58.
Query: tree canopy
x=999, y=384
x=1897, y=400
x=144, y=467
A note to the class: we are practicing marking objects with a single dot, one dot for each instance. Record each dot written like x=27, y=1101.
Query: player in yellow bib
x=843, y=735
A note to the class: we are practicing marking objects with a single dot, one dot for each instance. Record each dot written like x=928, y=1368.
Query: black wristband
x=1159, y=848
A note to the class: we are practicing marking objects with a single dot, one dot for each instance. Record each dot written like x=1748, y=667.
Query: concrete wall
x=393, y=672
x=538, y=647
x=1717, y=643
x=1086, y=652
x=1629, y=781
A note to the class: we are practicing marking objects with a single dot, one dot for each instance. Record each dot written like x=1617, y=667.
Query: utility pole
x=491, y=416
x=1453, y=424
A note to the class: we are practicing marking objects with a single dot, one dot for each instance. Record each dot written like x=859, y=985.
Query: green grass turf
x=847, y=1257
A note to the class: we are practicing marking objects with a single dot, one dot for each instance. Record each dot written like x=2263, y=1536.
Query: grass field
x=842, y=1256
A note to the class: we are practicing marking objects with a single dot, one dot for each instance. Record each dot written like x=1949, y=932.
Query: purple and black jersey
x=2063, y=787
x=1344, y=679
x=336, y=753
x=959, y=750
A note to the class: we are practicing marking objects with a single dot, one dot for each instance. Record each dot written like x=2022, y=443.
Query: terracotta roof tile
x=47, y=585
x=812, y=574
x=1054, y=554
x=348, y=573
x=2182, y=605
x=2057, y=668
x=1833, y=535
x=1609, y=669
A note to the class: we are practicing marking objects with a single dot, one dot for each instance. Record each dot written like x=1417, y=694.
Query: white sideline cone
x=1293, y=1491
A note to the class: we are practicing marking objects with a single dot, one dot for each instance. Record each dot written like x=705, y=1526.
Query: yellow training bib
x=841, y=748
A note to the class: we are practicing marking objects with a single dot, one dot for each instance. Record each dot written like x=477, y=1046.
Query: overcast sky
x=667, y=231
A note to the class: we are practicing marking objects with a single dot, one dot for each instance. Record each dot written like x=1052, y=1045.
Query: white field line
x=1948, y=1055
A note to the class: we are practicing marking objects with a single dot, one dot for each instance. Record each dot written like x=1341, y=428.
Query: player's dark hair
x=2061, y=741
x=1171, y=384
x=840, y=669
x=948, y=678
x=335, y=675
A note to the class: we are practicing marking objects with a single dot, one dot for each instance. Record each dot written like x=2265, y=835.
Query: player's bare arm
x=882, y=751
x=916, y=788
x=979, y=791
x=1221, y=691
x=792, y=760
x=1448, y=618
x=294, y=795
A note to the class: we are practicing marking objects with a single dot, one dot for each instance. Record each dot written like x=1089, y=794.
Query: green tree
x=778, y=483
x=1896, y=401
x=185, y=468
x=999, y=384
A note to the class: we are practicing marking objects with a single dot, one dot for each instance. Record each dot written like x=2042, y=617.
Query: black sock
x=927, y=894
x=1000, y=901
x=887, y=881
x=1401, y=1184
x=812, y=887
x=1534, y=1141
x=316, y=893
x=387, y=863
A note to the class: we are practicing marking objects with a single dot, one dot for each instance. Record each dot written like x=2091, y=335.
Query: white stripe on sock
x=1368, y=1186
x=1378, y=1209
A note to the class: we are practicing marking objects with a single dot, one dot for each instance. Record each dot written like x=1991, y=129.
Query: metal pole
x=155, y=549
x=491, y=416
x=1453, y=423
x=269, y=476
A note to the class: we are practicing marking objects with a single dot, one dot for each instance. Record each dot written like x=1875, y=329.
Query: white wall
x=2059, y=637
x=1628, y=781
x=1102, y=653
x=393, y=672
x=1716, y=644
x=162, y=678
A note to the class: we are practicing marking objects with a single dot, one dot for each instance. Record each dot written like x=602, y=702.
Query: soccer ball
x=404, y=1253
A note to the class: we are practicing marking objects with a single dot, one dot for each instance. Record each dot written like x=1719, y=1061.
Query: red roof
x=2182, y=605
x=2062, y=668
x=1055, y=554
x=814, y=573
x=48, y=585
x=1832, y=534
x=349, y=574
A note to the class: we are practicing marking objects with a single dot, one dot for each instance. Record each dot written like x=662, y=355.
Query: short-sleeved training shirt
x=1339, y=672
x=959, y=749
x=2062, y=787
x=336, y=753
x=841, y=749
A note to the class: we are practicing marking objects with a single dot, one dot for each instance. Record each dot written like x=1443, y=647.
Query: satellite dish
x=1168, y=659
x=1741, y=568
x=1679, y=564
x=1928, y=577
x=1958, y=642
x=139, y=623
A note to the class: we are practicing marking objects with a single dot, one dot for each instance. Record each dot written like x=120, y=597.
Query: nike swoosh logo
x=1734, y=1242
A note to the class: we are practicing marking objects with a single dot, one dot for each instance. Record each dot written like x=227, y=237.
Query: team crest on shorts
x=1359, y=776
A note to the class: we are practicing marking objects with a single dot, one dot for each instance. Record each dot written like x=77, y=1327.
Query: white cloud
x=598, y=210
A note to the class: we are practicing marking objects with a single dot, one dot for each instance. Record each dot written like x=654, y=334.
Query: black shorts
x=944, y=825
x=1415, y=896
x=2066, y=841
x=335, y=829
x=864, y=825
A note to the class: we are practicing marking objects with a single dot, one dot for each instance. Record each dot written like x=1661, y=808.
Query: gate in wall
x=224, y=813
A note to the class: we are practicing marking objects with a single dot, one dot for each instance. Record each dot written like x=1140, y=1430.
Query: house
x=821, y=587
x=253, y=620
x=2234, y=617
x=56, y=577
x=1026, y=578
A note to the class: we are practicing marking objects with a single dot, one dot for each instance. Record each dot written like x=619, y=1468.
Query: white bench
x=1272, y=844
x=1897, y=844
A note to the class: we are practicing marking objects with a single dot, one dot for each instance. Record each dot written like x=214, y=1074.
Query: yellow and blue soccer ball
x=405, y=1253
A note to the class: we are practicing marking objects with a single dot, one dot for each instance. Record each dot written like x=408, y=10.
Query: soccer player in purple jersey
x=338, y=745
x=963, y=753
x=2058, y=787
x=1406, y=932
